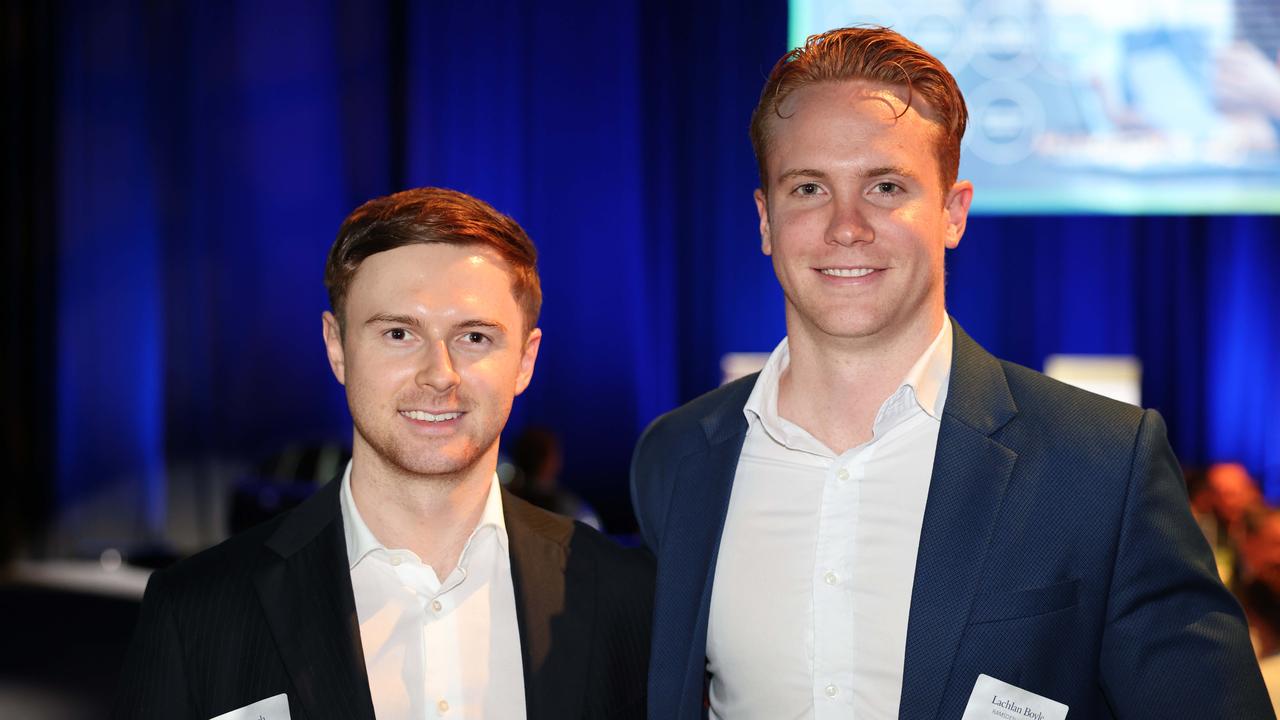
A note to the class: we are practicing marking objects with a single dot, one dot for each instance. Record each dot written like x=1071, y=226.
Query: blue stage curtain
x=1194, y=298
x=209, y=151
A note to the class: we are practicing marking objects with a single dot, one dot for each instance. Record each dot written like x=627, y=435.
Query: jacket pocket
x=995, y=605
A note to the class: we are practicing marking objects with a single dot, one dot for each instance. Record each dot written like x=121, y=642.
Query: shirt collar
x=925, y=387
x=762, y=404
x=930, y=377
x=361, y=540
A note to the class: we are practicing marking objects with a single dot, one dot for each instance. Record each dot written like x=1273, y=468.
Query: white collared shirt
x=813, y=580
x=437, y=649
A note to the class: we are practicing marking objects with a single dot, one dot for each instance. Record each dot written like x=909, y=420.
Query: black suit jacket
x=272, y=611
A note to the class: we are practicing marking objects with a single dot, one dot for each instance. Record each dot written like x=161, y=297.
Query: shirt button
x=395, y=561
x=831, y=579
x=830, y=690
x=435, y=605
x=442, y=706
x=843, y=474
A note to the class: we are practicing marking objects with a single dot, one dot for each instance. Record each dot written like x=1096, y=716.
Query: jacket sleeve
x=649, y=486
x=153, y=682
x=1175, y=643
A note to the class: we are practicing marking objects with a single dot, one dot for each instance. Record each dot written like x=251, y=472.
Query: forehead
x=852, y=117
x=430, y=276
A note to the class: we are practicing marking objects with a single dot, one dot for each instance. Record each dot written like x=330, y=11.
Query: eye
x=398, y=334
x=475, y=338
x=884, y=187
x=808, y=189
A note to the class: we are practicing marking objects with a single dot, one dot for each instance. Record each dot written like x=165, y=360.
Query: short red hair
x=871, y=54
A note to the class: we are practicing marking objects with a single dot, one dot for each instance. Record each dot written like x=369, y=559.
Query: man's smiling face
x=432, y=352
x=855, y=217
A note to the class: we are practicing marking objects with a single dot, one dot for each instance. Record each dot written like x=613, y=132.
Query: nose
x=849, y=224
x=436, y=371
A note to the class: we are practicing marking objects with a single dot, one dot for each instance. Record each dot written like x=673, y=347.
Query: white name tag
x=995, y=700
x=273, y=708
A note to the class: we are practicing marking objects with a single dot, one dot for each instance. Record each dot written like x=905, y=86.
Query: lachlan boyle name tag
x=995, y=700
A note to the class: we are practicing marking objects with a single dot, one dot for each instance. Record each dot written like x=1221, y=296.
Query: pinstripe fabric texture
x=1058, y=554
x=204, y=644
x=585, y=640
x=271, y=611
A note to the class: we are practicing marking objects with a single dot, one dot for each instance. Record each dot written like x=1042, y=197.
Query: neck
x=834, y=387
x=433, y=516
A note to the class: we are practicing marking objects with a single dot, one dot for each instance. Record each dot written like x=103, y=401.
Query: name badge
x=275, y=707
x=995, y=700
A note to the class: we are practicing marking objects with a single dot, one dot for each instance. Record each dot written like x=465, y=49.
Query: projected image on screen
x=1137, y=106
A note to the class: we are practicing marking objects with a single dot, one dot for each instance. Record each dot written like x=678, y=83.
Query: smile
x=430, y=417
x=847, y=272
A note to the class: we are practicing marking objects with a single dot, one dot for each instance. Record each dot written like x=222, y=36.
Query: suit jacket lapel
x=304, y=584
x=555, y=609
x=692, y=542
x=970, y=476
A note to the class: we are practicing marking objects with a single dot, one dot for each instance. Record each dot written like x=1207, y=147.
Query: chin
x=456, y=462
x=416, y=455
x=839, y=319
x=851, y=328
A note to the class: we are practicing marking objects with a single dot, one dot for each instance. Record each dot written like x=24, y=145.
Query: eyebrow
x=869, y=173
x=411, y=321
x=483, y=324
x=888, y=170
x=802, y=173
x=392, y=319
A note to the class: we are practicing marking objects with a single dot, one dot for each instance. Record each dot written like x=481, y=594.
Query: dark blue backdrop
x=209, y=150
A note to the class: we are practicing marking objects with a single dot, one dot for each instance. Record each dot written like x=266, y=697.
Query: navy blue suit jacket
x=1058, y=554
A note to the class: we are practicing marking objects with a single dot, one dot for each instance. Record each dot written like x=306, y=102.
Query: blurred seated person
x=1220, y=495
x=1231, y=493
x=1260, y=594
x=1234, y=493
x=538, y=461
x=1260, y=578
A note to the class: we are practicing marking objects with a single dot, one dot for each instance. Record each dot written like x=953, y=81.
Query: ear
x=528, y=358
x=957, y=209
x=762, y=208
x=333, y=347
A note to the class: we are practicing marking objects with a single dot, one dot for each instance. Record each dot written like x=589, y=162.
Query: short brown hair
x=433, y=215
x=873, y=54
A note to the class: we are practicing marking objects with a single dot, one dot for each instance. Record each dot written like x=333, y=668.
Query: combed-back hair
x=433, y=215
x=871, y=54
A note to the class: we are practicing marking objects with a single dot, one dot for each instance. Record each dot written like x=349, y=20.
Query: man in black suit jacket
x=433, y=332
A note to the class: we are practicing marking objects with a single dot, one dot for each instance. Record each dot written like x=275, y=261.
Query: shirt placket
x=833, y=615
x=442, y=683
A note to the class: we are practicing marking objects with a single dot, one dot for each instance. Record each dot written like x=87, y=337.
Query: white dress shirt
x=813, y=580
x=437, y=649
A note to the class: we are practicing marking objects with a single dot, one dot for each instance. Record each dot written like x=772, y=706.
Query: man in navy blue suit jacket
x=1056, y=565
